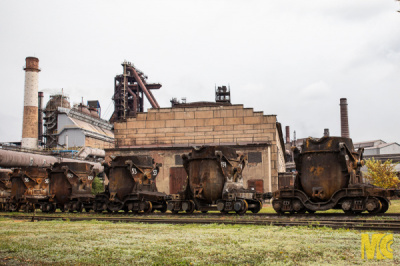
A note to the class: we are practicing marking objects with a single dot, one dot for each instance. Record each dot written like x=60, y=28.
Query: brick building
x=167, y=133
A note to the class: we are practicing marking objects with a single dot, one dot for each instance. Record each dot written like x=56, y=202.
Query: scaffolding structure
x=129, y=91
x=50, y=118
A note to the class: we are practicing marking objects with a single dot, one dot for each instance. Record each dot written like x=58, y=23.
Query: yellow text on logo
x=380, y=245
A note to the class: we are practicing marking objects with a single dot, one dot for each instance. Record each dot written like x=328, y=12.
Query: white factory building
x=77, y=129
x=378, y=147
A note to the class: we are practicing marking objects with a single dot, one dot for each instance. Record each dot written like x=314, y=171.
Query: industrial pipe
x=12, y=159
x=151, y=99
x=5, y=171
x=154, y=86
x=40, y=117
x=87, y=151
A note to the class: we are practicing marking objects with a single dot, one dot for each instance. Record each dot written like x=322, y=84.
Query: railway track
x=355, y=224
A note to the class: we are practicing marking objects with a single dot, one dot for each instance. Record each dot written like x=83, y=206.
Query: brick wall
x=226, y=125
x=96, y=143
x=195, y=126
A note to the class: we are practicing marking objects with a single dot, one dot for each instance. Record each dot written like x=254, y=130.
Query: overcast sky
x=295, y=59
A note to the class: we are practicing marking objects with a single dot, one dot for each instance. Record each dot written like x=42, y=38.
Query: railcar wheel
x=43, y=207
x=220, y=205
x=30, y=207
x=257, y=208
x=88, y=209
x=297, y=206
x=385, y=205
x=174, y=212
x=191, y=207
x=14, y=207
x=78, y=206
x=148, y=208
x=170, y=206
x=71, y=207
x=52, y=208
x=373, y=205
x=164, y=207
x=277, y=205
x=244, y=206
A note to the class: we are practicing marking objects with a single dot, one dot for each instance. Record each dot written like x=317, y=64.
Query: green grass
x=102, y=243
x=394, y=206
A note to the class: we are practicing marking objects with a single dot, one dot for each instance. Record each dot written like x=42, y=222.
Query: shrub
x=97, y=186
x=382, y=174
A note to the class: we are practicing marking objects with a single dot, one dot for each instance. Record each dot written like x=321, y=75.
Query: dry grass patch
x=134, y=243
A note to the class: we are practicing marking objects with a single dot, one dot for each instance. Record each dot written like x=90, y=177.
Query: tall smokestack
x=40, y=117
x=287, y=134
x=30, y=120
x=344, y=118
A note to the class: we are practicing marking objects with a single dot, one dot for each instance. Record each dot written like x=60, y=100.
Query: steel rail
x=363, y=225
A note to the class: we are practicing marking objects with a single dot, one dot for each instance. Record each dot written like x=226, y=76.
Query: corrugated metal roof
x=367, y=144
x=92, y=128
x=383, y=145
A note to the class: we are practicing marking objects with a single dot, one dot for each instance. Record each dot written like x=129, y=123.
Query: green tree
x=382, y=174
x=97, y=186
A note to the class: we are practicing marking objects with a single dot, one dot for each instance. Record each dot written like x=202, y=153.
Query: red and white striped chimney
x=30, y=120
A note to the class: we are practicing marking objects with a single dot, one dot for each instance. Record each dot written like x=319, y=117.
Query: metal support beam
x=151, y=99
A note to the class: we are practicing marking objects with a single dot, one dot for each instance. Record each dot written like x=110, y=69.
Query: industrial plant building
x=163, y=133
x=378, y=147
x=79, y=126
x=167, y=133
x=64, y=127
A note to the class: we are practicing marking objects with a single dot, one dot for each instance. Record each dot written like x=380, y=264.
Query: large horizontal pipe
x=87, y=151
x=5, y=171
x=152, y=86
x=12, y=159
